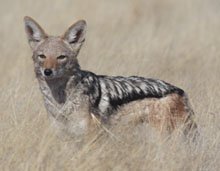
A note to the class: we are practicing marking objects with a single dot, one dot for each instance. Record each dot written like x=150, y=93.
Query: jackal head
x=55, y=56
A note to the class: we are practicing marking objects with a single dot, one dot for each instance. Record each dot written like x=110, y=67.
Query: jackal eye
x=42, y=56
x=61, y=57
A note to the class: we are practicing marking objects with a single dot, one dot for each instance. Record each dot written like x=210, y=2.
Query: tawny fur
x=165, y=114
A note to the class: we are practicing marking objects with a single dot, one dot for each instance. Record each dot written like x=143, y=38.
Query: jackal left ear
x=34, y=32
x=75, y=35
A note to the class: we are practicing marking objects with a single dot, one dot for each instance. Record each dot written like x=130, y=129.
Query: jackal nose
x=48, y=72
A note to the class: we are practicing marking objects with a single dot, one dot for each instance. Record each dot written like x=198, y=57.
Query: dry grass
x=174, y=40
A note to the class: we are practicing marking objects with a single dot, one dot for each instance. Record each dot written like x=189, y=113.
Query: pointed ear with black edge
x=34, y=32
x=75, y=35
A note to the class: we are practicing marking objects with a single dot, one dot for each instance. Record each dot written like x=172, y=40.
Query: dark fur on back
x=107, y=94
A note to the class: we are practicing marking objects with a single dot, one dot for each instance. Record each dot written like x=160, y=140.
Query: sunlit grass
x=174, y=40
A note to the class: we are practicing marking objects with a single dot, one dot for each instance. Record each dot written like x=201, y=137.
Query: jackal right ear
x=75, y=35
x=34, y=32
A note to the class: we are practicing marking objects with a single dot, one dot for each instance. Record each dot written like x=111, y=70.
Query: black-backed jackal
x=75, y=98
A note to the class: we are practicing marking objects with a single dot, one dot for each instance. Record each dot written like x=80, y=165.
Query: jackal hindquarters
x=76, y=98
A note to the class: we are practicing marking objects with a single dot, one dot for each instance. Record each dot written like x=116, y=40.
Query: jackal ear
x=75, y=35
x=34, y=32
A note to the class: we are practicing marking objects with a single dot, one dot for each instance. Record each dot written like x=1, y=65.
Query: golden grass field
x=174, y=40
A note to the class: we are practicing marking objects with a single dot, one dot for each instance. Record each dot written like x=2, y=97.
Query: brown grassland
x=174, y=40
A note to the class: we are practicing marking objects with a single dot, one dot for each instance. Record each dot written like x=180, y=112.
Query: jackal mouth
x=52, y=77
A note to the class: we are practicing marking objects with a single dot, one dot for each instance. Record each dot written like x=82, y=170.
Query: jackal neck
x=57, y=88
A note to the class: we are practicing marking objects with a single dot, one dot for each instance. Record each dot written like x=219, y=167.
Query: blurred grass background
x=174, y=40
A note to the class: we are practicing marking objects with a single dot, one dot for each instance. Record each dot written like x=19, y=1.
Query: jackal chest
x=73, y=106
x=71, y=117
x=75, y=103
